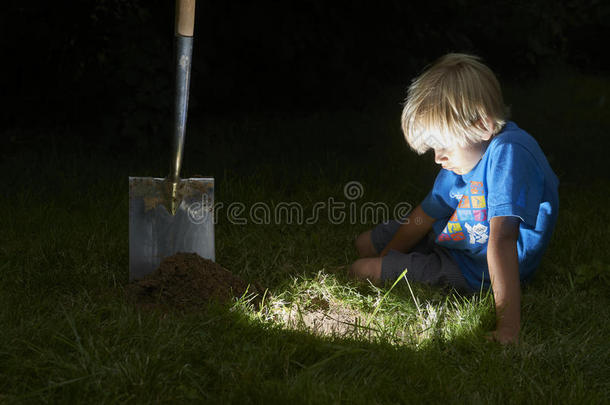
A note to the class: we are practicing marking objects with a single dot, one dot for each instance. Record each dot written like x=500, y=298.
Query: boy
x=493, y=206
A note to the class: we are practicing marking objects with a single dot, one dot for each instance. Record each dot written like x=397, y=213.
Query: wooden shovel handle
x=185, y=17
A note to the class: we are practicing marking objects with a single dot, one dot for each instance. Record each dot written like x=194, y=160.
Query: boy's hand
x=504, y=336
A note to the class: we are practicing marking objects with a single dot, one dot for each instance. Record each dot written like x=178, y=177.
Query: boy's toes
x=364, y=245
x=366, y=269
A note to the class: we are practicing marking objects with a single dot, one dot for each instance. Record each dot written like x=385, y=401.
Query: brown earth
x=323, y=317
x=188, y=281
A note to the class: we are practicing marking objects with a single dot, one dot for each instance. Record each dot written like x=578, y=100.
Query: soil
x=323, y=317
x=188, y=281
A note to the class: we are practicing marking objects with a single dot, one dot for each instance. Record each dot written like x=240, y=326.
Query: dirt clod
x=188, y=281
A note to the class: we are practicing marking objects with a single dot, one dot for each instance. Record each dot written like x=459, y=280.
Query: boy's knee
x=367, y=269
x=364, y=245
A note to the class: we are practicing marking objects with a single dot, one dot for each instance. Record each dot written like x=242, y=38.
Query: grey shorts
x=427, y=262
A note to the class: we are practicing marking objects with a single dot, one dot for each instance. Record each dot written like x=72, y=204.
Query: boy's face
x=460, y=159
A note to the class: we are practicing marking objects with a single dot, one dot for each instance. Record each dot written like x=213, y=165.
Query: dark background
x=104, y=68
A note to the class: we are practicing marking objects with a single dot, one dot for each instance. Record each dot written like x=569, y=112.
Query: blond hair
x=453, y=102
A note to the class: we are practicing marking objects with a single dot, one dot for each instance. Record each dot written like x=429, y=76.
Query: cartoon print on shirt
x=477, y=233
x=443, y=237
x=480, y=215
x=476, y=187
x=478, y=201
x=458, y=236
x=457, y=196
x=464, y=202
x=471, y=207
x=453, y=227
x=465, y=215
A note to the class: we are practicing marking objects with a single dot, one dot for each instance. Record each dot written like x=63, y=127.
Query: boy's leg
x=372, y=242
x=368, y=245
x=435, y=267
x=426, y=262
x=364, y=245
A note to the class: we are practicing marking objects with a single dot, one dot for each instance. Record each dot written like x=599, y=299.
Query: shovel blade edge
x=155, y=234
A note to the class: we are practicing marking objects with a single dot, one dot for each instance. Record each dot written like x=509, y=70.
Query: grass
x=69, y=336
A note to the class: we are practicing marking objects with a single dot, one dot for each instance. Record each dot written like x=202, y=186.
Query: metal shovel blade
x=154, y=233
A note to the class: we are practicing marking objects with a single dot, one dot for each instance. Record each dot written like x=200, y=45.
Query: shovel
x=170, y=215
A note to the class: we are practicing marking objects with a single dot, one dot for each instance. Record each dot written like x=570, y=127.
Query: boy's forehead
x=435, y=140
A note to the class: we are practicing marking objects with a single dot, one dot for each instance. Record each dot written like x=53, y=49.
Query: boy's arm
x=412, y=231
x=503, y=266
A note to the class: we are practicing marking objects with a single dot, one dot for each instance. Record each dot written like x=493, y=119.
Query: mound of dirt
x=188, y=281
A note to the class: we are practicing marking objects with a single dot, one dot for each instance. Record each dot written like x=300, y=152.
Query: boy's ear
x=487, y=125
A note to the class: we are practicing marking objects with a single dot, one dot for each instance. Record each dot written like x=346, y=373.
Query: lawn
x=69, y=334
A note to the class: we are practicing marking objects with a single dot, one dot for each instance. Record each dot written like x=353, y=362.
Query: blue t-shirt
x=513, y=178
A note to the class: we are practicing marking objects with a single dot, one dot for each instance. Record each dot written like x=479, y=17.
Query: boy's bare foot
x=364, y=245
x=367, y=269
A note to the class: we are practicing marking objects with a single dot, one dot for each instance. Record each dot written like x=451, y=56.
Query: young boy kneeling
x=492, y=209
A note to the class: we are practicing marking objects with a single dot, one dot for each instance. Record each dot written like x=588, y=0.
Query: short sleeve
x=434, y=204
x=515, y=184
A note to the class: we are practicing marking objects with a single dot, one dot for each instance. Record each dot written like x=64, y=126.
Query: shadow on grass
x=96, y=346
